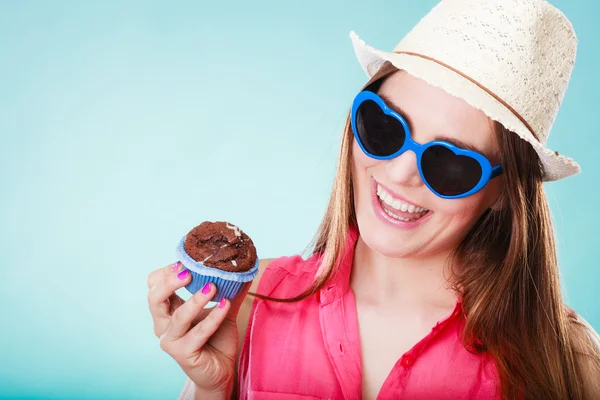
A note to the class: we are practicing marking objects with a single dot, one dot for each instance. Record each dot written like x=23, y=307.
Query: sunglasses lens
x=449, y=174
x=381, y=135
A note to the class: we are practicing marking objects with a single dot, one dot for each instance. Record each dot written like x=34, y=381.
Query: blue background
x=124, y=124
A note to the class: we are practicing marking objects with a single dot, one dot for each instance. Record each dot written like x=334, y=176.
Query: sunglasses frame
x=487, y=170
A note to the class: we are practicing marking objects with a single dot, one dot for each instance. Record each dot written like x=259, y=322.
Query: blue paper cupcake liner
x=229, y=284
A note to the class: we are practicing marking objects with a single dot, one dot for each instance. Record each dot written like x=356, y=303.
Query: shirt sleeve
x=188, y=391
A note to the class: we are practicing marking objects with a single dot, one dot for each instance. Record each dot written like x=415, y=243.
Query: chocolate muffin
x=218, y=252
x=221, y=245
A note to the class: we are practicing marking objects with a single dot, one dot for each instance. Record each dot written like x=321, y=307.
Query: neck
x=420, y=282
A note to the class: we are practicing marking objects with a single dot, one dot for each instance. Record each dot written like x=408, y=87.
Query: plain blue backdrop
x=125, y=123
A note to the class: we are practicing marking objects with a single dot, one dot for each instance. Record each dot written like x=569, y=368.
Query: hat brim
x=555, y=166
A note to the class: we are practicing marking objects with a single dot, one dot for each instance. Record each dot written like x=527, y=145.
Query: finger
x=158, y=274
x=204, y=330
x=176, y=278
x=165, y=310
x=162, y=299
x=174, y=303
x=184, y=316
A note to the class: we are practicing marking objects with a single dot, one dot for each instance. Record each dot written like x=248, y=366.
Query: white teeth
x=389, y=199
x=397, y=204
x=391, y=214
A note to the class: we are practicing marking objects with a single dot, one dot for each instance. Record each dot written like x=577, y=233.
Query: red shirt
x=311, y=349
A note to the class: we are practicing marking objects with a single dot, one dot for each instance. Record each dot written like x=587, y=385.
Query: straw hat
x=512, y=59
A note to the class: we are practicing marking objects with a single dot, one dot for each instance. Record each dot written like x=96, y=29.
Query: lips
x=398, y=206
x=396, y=210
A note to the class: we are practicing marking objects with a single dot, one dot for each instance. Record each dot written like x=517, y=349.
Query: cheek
x=469, y=209
x=459, y=215
x=363, y=168
x=361, y=161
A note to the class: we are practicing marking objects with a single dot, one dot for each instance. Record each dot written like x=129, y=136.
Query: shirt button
x=407, y=361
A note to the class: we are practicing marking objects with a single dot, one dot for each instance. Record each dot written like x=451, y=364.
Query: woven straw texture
x=516, y=54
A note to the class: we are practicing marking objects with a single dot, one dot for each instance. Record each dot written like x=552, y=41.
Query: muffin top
x=221, y=245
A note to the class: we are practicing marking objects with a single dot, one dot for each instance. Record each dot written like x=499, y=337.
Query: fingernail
x=222, y=303
x=206, y=288
x=176, y=265
x=183, y=274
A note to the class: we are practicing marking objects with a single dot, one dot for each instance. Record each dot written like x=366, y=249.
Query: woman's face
x=431, y=114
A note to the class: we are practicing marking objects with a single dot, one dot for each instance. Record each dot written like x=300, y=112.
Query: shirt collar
x=339, y=283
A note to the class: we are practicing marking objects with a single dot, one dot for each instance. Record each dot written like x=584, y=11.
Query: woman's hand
x=204, y=342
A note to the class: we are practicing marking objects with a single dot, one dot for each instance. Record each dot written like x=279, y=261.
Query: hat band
x=494, y=95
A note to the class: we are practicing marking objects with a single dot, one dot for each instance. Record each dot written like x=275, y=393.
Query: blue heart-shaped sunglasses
x=448, y=171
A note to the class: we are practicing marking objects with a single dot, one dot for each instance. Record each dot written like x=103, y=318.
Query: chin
x=384, y=240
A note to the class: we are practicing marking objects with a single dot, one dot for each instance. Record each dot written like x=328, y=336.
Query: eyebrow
x=454, y=141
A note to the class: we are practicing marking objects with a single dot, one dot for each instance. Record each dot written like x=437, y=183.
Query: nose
x=403, y=170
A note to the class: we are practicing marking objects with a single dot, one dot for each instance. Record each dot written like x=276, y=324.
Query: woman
x=434, y=273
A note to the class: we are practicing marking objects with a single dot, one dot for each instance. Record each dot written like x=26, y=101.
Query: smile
x=396, y=210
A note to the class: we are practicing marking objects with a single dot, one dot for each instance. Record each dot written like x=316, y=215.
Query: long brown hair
x=508, y=275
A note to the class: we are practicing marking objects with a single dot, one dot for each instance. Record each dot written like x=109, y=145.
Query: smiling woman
x=434, y=272
x=408, y=176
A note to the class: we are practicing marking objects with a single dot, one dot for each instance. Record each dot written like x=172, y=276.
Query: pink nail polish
x=176, y=265
x=222, y=303
x=206, y=288
x=183, y=274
